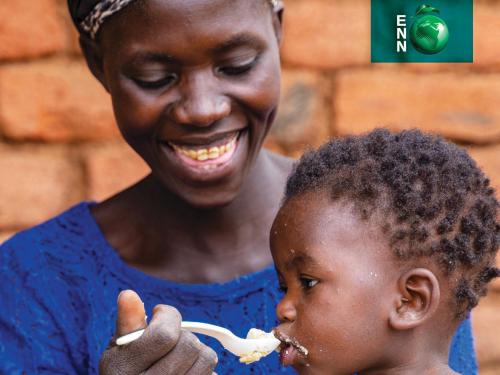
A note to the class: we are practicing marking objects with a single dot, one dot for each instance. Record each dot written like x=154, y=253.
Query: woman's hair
x=89, y=15
x=433, y=199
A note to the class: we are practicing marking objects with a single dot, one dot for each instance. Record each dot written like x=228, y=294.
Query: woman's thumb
x=131, y=314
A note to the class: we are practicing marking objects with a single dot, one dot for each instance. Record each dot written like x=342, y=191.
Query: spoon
x=232, y=343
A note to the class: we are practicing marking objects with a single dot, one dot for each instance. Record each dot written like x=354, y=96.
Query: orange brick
x=462, y=107
x=488, y=159
x=5, y=235
x=112, y=167
x=303, y=119
x=71, y=34
x=486, y=320
x=490, y=369
x=54, y=100
x=327, y=34
x=37, y=183
x=486, y=34
x=29, y=28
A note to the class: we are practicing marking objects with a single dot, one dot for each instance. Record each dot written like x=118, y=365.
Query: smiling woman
x=195, y=86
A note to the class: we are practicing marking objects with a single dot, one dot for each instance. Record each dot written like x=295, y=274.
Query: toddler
x=383, y=244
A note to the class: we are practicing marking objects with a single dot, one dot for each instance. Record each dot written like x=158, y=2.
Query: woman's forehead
x=207, y=27
x=89, y=15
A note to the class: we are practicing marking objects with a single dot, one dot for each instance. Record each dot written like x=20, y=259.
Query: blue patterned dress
x=58, y=287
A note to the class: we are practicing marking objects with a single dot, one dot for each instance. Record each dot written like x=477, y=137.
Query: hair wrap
x=105, y=8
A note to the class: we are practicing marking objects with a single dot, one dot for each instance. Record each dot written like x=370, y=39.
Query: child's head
x=383, y=243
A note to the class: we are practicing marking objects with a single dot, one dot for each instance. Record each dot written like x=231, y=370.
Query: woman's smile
x=197, y=116
x=209, y=158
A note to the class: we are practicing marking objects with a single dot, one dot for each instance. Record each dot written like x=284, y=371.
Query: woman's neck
x=166, y=237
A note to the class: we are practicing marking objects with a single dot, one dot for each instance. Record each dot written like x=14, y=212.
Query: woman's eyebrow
x=238, y=40
x=148, y=57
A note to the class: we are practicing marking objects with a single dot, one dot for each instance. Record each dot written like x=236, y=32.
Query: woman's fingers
x=131, y=314
x=159, y=338
x=207, y=360
x=181, y=358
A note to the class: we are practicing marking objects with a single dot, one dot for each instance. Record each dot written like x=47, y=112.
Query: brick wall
x=59, y=144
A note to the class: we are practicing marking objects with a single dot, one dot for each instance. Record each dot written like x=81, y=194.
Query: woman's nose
x=285, y=311
x=200, y=103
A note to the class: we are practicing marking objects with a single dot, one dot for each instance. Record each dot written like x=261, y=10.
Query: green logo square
x=422, y=31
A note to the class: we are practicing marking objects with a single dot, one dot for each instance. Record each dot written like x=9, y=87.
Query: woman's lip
x=208, y=142
x=206, y=171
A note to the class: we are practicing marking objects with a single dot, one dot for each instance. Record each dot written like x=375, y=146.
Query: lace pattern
x=59, y=283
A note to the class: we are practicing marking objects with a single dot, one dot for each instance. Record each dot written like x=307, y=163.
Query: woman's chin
x=208, y=201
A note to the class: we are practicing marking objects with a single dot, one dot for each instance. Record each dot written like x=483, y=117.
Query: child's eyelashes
x=282, y=288
x=308, y=282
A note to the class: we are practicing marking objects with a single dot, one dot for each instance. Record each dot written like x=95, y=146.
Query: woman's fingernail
x=119, y=294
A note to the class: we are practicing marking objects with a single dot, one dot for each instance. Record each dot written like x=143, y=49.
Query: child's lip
x=290, y=349
x=288, y=355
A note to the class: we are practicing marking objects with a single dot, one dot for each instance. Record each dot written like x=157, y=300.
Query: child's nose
x=201, y=103
x=285, y=311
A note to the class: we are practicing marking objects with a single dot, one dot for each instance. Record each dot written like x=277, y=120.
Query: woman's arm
x=31, y=342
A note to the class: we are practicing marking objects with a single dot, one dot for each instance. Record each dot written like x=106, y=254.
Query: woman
x=195, y=87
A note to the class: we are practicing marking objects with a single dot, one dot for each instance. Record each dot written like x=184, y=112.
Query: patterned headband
x=106, y=8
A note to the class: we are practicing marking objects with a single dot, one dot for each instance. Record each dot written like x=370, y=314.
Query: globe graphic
x=429, y=34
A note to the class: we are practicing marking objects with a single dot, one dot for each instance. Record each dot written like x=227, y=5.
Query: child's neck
x=420, y=357
x=414, y=369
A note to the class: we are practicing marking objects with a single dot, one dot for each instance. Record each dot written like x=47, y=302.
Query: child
x=383, y=245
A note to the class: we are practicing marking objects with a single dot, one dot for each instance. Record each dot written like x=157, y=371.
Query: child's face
x=195, y=86
x=340, y=282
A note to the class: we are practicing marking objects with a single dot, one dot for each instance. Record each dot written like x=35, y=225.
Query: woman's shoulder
x=55, y=241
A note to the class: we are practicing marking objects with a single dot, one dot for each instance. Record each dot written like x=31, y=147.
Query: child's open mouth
x=290, y=349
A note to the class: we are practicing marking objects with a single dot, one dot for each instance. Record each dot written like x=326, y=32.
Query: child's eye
x=155, y=83
x=283, y=288
x=308, y=283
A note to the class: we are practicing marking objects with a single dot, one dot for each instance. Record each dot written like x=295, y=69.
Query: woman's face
x=195, y=86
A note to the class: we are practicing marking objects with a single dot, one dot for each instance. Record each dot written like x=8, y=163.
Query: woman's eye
x=155, y=83
x=235, y=70
x=308, y=283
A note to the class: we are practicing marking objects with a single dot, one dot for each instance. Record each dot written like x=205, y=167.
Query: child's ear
x=417, y=301
x=93, y=56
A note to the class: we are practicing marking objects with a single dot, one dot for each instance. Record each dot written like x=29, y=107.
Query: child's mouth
x=290, y=349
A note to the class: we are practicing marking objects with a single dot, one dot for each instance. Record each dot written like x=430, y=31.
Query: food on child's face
x=289, y=349
x=255, y=356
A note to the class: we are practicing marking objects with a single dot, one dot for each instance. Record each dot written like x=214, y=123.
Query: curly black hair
x=435, y=200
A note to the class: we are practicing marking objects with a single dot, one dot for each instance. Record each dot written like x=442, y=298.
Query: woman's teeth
x=206, y=153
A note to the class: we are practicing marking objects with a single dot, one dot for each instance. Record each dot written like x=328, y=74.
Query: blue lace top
x=58, y=287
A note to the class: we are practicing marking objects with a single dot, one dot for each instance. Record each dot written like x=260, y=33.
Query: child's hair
x=434, y=200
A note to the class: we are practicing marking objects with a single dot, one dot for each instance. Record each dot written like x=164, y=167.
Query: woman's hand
x=163, y=348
